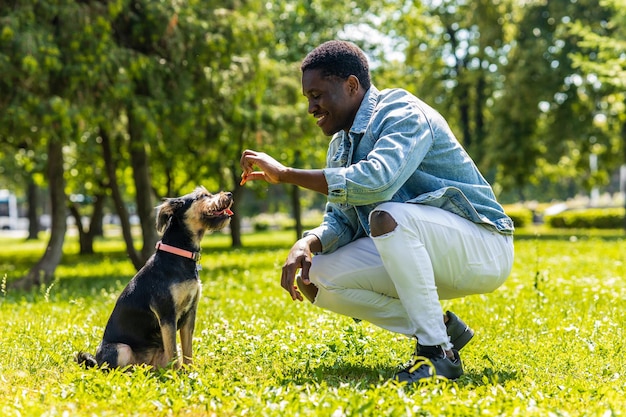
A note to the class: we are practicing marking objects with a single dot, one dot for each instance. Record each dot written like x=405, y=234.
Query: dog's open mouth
x=226, y=212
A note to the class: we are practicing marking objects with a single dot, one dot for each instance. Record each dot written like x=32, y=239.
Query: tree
x=285, y=130
x=543, y=117
x=35, y=104
x=137, y=100
x=601, y=56
x=502, y=76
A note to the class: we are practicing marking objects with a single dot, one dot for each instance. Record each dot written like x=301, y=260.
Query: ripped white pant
x=396, y=280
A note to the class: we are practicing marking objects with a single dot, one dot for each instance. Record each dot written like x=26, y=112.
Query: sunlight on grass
x=549, y=342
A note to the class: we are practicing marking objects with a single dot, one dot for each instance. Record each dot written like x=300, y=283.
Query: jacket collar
x=364, y=114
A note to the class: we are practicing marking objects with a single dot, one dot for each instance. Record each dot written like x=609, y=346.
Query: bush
x=261, y=226
x=521, y=216
x=597, y=218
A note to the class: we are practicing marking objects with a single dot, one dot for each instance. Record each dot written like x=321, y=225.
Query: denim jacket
x=400, y=149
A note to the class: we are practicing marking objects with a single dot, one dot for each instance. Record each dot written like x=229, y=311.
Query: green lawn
x=549, y=342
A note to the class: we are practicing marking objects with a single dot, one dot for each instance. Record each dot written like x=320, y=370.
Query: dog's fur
x=162, y=297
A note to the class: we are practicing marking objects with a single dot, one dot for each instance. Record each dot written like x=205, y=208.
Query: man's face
x=333, y=101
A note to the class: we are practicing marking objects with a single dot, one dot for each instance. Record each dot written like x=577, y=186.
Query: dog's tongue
x=227, y=212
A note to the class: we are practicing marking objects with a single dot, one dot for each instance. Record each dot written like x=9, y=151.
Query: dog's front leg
x=186, y=334
x=168, y=333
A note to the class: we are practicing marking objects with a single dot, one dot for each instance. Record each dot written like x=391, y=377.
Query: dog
x=162, y=298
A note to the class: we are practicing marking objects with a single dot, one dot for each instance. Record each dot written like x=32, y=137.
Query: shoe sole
x=463, y=339
x=458, y=340
x=411, y=374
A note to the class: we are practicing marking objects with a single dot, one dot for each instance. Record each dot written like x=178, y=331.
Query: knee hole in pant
x=381, y=223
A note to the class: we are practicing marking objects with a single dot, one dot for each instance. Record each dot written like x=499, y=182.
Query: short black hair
x=341, y=59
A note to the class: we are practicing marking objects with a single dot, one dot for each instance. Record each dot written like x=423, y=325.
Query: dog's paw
x=86, y=359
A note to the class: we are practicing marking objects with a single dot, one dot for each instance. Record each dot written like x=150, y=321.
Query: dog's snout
x=228, y=194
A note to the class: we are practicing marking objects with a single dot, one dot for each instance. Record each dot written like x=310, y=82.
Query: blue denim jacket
x=400, y=149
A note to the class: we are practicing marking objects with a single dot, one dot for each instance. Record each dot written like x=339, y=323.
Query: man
x=409, y=219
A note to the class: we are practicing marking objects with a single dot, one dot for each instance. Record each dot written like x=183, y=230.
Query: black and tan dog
x=163, y=297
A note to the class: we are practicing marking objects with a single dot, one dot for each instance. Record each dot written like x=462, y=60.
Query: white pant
x=396, y=280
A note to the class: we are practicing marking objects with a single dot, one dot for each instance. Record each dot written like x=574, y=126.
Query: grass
x=549, y=342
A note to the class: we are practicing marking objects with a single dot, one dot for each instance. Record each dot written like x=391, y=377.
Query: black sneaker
x=460, y=333
x=430, y=362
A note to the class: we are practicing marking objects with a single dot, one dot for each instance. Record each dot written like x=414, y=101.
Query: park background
x=106, y=107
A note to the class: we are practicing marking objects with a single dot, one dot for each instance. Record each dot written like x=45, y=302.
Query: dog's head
x=199, y=212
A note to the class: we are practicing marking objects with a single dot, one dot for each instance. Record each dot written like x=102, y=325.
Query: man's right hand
x=299, y=257
x=270, y=169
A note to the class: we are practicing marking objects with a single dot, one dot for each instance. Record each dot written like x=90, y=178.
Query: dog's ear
x=165, y=212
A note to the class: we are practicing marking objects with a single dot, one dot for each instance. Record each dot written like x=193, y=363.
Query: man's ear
x=353, y=84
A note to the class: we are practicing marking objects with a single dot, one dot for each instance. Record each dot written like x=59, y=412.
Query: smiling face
x=332, y=100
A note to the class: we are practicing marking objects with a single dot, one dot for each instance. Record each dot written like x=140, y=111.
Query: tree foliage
x=146, y=99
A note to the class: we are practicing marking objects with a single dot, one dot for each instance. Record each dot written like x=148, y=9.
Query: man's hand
x=270, y=169
x=274, y=172
x=299, y=257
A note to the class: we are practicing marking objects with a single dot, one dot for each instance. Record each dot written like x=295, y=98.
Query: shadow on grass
x=488, y=376
x=14, y=265
x=90, y=275
x=338, y=375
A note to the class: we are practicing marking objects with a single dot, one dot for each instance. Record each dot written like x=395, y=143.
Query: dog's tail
x=86, y=359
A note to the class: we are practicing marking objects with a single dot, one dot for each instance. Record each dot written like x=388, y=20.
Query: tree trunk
x=120, y=207
x=624, y=166
x=140, y=164
x=295, y=200
x=95, y=225
x=85, y=244
x=86, y=236
x=461, y=92
x=479, y=120
x=297, y=210
x=235, y=221
x=32, y=196
x=43, y=271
